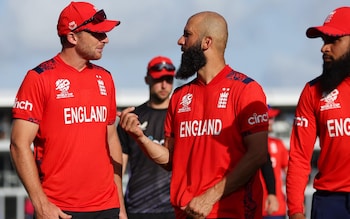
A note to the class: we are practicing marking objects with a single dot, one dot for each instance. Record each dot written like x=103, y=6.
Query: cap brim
x=319, y=31
x=159, y=74
x=102, y=27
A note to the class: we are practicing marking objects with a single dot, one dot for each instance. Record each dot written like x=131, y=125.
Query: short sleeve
x=30, y=99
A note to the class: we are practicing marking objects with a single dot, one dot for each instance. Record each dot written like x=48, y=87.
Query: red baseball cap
x=160, y=66
x=337, y=24
x=272, y=113
x=83, y=16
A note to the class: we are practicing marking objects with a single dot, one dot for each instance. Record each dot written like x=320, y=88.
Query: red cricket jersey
x=279, y=159
x=326, y=117
x=72, y=110
x=208, y=123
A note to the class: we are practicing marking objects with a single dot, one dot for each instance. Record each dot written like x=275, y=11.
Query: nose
x=181, y=41
x=325, y=48
x=164, y=83
x=105, y=40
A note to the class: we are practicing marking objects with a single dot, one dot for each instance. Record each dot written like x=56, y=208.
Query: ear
x=147, y=80
x=72, y=38
x=206, y=42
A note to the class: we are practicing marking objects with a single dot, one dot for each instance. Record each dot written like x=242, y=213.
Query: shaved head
x=203, y=44
x=212, y=24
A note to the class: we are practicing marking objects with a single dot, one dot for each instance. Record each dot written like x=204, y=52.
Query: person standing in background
x=28, y=209
x=66, y=107
x=215, y=129
x=323, y=112
x=148, y=190
x=275, y=204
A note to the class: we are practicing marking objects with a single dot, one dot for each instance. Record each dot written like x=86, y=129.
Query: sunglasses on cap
x=99, y=17
x=161, y=66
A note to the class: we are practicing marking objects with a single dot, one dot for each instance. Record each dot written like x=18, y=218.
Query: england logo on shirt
x=101, y=85
x=222, y=101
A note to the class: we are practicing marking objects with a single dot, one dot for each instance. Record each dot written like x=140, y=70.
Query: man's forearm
x=25, y=166
x=156, y=152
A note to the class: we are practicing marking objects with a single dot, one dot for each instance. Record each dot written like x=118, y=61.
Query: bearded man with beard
x=192, y=60
x=215, y=130
x=323, y=111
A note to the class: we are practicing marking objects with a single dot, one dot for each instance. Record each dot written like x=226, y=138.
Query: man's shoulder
x=45, y=66
x=97, y=67
x=311, y=89
x=141, y=107
x=187, y=85
x=314, y=81
x=239, y=77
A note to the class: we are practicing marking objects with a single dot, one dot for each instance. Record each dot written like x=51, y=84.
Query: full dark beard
x=334, y=73
x=192, y=60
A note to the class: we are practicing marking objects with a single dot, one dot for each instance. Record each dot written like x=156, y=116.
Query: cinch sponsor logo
x=338, y=127
x=200, y=127
x=24, y=105
x=301, y=121
x=82, y=114
x=255, y=119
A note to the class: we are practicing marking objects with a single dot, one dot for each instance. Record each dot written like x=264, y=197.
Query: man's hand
x=130, y=123
x=200, y=207
x=271, y=204
x=50, y=211
x=123, y=215
x=297, y=216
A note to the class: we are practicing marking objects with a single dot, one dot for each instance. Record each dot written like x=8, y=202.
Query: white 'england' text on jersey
x=83, y=114
x=200, y=127
x=338, y=127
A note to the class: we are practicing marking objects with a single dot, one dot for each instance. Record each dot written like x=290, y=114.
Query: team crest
x=222, y=101
x=329, y=17
x=72, y=25
x=101, y=85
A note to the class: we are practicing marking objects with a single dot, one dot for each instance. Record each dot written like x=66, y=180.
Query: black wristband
x=269, y=176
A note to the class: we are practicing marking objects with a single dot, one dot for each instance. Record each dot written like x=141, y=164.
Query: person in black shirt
x=148, y=190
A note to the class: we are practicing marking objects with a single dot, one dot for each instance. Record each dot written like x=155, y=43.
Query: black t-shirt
x=148, y=189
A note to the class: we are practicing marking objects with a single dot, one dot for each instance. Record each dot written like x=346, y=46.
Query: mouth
x=163, y=93
x=327, y=58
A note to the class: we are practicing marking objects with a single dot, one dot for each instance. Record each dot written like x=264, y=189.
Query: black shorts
x=327, y=204
x=151, y=216
x=104, y=214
